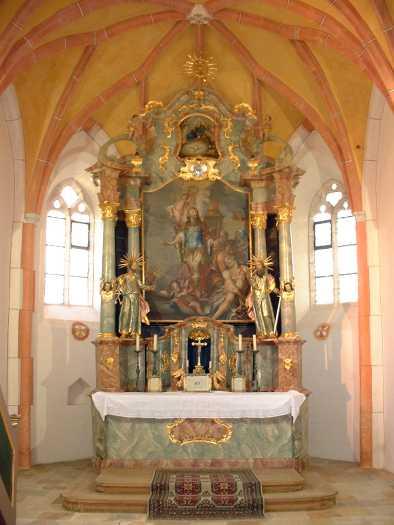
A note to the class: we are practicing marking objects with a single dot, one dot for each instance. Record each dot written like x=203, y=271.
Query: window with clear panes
x=334, y=248
x=68, y=249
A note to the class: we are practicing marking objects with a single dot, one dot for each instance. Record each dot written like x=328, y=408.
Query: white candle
x=155, y=342
x=137, y=342
x=254, y=342
x=240, y=342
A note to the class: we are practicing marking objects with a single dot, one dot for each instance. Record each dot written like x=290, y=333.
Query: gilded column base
x=111, y=364
x=290, y=362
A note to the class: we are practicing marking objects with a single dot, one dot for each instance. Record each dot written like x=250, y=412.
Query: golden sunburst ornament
x=266, y=262
x=200, y=68
x=129, y=261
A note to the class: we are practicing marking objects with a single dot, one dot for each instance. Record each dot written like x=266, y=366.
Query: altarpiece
x=198, y=292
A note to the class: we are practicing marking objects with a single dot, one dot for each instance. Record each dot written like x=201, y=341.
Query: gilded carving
x=199, y=169
x=163, y=160
x=288, y=363
x=210, y=431
x=200, y=68
x=287, y=290
x=244, y=109
x=169, y=126
x=133, y=218
x=233, y=156
x=152, y=105
x=109, y=210
x=322, y=331
x=179, y=377
x=284, y=213
x=227, y=127
x=165, y=362
x=258, y=219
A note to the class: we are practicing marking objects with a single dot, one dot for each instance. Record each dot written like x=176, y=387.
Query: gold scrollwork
x=288, y=363
x=258, y=219
x=211, y=431
x=244, y=109
x=152, y=105
x=165, y=362
x=109, y=210
x=133, y=218
x=179, y=377
x=227, y=127
x=163, y=160
x=109, y=362
x=233, y=157
x=169, y=126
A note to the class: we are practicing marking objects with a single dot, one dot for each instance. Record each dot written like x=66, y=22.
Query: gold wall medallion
x=322, y=331
x=288, y=363
x=80, y=331
x=188, y=431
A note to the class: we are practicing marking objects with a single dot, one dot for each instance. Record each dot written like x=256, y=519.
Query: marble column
x=133, y=222
x=136, y=363
x=107, y=314
x=258, y=221
x=288, y=313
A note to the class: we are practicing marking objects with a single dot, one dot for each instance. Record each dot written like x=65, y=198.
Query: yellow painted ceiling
x=40, y=86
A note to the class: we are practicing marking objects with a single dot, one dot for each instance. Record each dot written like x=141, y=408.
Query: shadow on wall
x=330, y=371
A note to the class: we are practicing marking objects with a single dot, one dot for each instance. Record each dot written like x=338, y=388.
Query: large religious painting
x=196, y=245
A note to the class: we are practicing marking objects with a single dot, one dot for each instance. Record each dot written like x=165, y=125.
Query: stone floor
x=364, y=497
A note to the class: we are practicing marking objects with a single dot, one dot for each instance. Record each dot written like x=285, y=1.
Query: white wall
x=62, y=431
x=11, y=216
x=384, y=137
x=330, y=367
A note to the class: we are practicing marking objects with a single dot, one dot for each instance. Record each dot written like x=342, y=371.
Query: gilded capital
x=284, y=213
x=109, y=210
x=133, y=218
x=258, y=219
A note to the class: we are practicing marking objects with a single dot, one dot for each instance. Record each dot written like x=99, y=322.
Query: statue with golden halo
x=134, y=308
x=258, y=301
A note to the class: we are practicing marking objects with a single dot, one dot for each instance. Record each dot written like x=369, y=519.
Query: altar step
x=122, y=490
x=125, y=481
x=86, y=499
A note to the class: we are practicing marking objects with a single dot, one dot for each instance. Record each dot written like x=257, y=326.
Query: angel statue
x=258, y=301
x=134, y=308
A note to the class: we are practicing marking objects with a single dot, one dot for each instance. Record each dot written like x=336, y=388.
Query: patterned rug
x=210, y=494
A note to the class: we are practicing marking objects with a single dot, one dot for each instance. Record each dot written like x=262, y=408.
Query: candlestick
x=240, y=342
x=254, y=342
x=137, y=343
x=155, y=342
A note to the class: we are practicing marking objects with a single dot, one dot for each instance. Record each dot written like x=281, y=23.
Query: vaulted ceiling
x=74, y=64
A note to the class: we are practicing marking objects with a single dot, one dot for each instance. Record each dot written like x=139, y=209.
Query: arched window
x=334, y=247
x=68, y=260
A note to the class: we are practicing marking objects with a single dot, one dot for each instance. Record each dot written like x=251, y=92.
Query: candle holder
x=238, y=382
x=154, y=382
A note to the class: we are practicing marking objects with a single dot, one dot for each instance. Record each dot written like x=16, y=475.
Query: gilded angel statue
x=258, y=301
x=134, y=308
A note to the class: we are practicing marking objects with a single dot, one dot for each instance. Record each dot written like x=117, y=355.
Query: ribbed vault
x=76, y=63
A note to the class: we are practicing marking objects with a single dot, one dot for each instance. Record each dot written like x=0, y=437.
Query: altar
x=199, y=361
x=142, y=430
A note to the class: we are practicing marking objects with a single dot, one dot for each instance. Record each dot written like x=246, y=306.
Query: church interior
x=196, y=210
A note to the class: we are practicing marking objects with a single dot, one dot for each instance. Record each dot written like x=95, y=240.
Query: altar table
x=228, y=405
x=181, y=429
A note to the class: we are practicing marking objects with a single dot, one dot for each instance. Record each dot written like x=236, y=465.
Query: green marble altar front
x=276, y=442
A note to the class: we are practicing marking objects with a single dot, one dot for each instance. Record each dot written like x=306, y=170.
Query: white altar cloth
x=173, y=405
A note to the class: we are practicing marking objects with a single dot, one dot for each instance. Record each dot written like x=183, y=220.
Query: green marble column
x=107, y=314
x=288, y=313
x=259, y=224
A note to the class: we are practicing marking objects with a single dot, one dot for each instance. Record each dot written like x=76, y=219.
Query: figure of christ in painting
x=134, y=308
x=231, y=295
